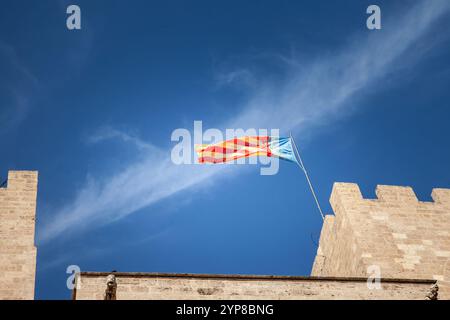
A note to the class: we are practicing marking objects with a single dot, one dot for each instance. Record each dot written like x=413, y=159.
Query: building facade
x=403, y=242
x=17, y=224
x=394, y=234
x=395, y=238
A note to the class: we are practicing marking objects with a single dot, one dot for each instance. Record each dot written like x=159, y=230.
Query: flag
x=245, y=147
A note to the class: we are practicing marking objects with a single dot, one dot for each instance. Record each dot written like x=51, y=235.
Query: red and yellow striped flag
x=245, y=147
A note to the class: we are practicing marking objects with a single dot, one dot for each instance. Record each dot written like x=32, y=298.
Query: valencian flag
x=245, y=147
x=252, y=146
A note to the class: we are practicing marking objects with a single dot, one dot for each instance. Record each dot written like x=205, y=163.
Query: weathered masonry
x=408, y=241
x=17, y=221
x=404, y=237
x=147, y=286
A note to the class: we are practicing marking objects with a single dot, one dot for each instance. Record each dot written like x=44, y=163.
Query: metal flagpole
x=306, y=174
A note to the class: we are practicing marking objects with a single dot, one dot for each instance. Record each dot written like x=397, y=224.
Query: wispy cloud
x=18, y=84
x=314, y=92
x=21, y=86
x=322, y=89
x=240, y=77
x=107, y=133
x=141, y=184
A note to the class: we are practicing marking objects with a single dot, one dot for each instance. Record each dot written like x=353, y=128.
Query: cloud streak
x=312, y=93
x=322, y=90
x=107, y=133
x=18, y=84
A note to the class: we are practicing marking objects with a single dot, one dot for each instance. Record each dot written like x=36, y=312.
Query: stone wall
x=17, y=221
x=148, y=286
x=404, y=237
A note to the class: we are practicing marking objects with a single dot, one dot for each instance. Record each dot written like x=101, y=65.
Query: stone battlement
x=407, y=240
x=17, y=250
x=404, y=237
x=351, y=191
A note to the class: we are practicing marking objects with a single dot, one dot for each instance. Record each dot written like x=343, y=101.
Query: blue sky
x=93, y=110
